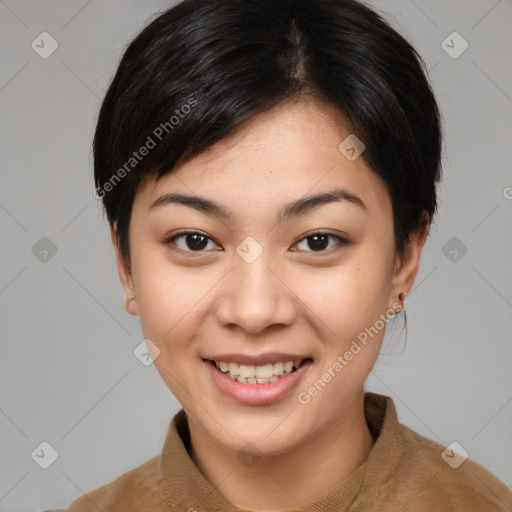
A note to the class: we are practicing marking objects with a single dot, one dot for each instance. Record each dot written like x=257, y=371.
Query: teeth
x=246, y=371
x=250, y=374
x=278, y=368
x=234, y=369
x=265, y=372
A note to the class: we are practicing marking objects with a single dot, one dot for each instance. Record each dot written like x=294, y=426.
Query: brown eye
x=194, y=241
x=319, y=241
x=197, y=242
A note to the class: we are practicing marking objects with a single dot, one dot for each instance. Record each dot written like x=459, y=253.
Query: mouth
x=262, y=384
x=262, y=374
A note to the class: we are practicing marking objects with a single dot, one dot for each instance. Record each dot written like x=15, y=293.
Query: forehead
x=275, y=158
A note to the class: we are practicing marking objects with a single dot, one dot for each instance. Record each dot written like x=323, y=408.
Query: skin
x=196, y=304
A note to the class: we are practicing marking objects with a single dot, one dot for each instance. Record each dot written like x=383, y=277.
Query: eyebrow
x=293, y=209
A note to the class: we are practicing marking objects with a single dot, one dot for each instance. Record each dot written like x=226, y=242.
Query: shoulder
x=443, y=478
x=132, y=490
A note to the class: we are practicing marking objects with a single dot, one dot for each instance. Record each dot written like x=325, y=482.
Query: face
x=260, y=282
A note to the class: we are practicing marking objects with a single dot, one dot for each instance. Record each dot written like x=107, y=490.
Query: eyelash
x=342, y=241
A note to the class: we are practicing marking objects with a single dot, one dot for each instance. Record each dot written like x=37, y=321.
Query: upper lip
x=259, y=360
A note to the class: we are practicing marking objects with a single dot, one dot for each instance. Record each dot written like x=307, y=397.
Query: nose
x=256, y=296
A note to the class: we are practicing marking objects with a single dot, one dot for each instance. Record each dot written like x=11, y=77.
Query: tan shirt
x=404, y=472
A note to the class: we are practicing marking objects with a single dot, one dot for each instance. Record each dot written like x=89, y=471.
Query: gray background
x=68, y=374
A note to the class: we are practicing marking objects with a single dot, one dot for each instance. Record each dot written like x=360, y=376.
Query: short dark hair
x=203, y=67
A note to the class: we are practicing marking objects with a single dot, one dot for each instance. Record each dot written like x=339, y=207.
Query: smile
x=261, y=384
x=263, y=374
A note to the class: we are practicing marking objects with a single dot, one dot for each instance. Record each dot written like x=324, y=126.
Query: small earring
x=402, y=298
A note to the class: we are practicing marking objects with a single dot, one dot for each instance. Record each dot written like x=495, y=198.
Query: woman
x=269, y=169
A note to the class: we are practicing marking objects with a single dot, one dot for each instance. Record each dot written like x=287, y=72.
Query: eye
x=319, y=241
x=195, y=241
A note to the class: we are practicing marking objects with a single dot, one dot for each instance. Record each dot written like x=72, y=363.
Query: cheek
x=347, y=299
x=167, y=309
x=170, y=305
x=173, y=303
x=345, y=307
x=166, y=297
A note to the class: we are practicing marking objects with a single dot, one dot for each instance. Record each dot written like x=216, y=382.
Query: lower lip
x=257, y=394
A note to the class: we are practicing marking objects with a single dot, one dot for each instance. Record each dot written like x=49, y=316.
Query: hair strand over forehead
x=203, y=67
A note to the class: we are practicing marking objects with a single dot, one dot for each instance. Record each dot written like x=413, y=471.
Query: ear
x=125, y=275
x=407, y=264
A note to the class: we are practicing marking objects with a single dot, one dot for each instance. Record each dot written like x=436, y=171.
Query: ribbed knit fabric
x=404, y=472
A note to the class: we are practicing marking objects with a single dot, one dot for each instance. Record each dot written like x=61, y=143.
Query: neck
x=287, y=481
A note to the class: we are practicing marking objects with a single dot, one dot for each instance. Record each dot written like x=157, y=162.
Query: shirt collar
x=187, y=487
